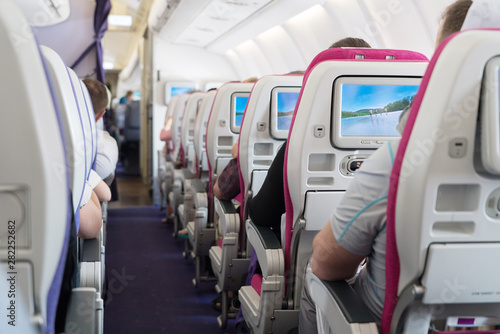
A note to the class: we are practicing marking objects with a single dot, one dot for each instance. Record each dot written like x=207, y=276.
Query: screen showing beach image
x=240, y=103
x=373, y=110
x=286, y=105
x=174, y=91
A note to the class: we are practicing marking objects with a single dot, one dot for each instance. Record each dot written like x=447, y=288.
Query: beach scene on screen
x=240, y=104
x=286, y=105
x=373, y=110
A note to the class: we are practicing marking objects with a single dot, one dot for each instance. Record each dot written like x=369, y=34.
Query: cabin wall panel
x=273, y=53
x=256, y=62
x=187, y=63
x=282, y=49
x=394, y=22
x=238, y=65
x=313, y=31
x=352, y=20
x=430, y=12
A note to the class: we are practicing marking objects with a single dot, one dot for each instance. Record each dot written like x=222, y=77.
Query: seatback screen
x=286, y=106
x=373, y=110
x=366, y=110
x=238, y=105
x=283, y=101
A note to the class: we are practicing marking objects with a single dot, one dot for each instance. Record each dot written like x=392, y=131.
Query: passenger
x=340, y=247
x=127, y=98
x=95, y=189
x=107, y=149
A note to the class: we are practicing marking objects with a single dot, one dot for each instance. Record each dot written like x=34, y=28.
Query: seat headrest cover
x=482, y=14
x=337, y=54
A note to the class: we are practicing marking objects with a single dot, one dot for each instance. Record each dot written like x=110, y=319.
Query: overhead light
x=120, y=20
x=217, y=18
x=108, y=65
x=205, y=29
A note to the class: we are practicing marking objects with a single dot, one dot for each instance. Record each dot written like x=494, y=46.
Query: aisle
x=149, y=282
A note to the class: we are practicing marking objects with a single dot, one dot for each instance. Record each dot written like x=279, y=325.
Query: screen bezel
x=174, y=84
x=274, y=132
x=490, y=100
x=360, y=142
x=232, y=113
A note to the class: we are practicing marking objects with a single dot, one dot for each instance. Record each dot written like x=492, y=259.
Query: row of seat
x=317, y=171
x=49, y=147
x=259, y=140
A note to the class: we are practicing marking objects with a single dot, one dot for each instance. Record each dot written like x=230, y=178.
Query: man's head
x=452, y=19
x=350, y=42
x=98, y=95
x=129, y=95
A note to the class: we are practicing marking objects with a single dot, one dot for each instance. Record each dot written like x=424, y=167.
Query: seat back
x=71, y=122
x=260, y=136
x=84, y=116
x=200, y=131
x=316, y=171
x=443, y=194
x=171, y=107
x=187, y=133
x=132, y=131
x=168, y=115
x=180, y=107
x=34, y=184
x=220, y=138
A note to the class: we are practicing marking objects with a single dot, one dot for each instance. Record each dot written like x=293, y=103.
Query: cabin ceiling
x=258, y=34
x=120, y=42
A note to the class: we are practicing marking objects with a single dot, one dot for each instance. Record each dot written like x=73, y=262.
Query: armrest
x=90, y=249
x=83, y=322
x=187, y=174
x=226, y=206
x=200, y=193
x=268, y=249
x=266, y=236
x=229, y=218
x=340, y=304
x=198, y=186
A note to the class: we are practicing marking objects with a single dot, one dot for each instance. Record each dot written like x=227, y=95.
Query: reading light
x=120, y=20
x=108, y=65
x=217, y=18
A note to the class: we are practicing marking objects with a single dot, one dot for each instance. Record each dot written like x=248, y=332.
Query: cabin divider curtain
x=102, y=10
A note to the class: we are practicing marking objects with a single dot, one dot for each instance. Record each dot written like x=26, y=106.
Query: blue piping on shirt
x=358, y=214
x=390, y=152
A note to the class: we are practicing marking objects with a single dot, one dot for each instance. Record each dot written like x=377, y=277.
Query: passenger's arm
x=166, y=132
x=217, y=192
x=90, y=218
x=99, y=187
x=234, y=150
x=227, y=185
x=329, y=260
x=102, y=191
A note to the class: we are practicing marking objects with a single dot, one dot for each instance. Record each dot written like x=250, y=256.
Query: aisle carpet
x=150, y=286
